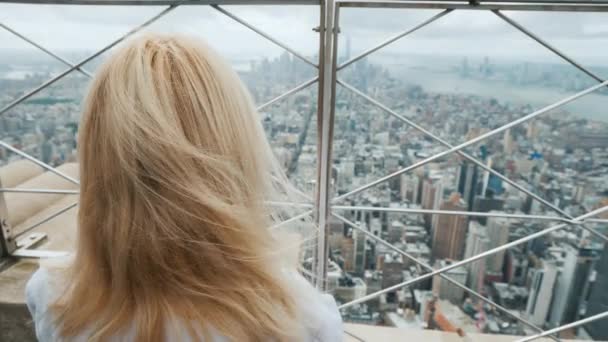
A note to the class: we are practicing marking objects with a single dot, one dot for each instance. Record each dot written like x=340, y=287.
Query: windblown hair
x=173, y=225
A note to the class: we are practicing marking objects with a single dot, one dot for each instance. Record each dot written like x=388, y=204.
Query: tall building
x=598, y=300
x=432, y=193
x=467, y=182
x=498, y=235
x=541, y=292
x=336, y=233
x=348, y=253
x=576, y=266
x=450, y=231
x=359, y=248
x=508, y=144
x=446, y=290
x=477, y=242
x=348, y=48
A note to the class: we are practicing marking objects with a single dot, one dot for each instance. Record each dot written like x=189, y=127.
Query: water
x=591, y=106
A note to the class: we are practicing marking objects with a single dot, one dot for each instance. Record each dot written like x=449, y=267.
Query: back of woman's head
x=175, y=170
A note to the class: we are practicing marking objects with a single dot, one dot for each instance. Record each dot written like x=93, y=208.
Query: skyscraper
x=449, y=232
x=359, y=247
x=598, y=300
x=467, y=182
x=507, y=143
x=348, y=253
x=541, y=292
x=576, y=266
x=498, y=235
x=477, y=242
x=432, y=193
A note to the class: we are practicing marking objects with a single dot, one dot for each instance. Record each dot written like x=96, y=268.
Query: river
x=591, y=106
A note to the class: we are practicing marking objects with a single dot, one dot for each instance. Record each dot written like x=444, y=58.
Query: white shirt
x=320, y=312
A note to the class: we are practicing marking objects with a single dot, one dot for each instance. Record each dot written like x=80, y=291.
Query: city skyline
x=368, y=144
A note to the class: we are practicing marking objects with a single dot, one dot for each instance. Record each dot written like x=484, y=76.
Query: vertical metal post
x=7, y=242
x=325, y=124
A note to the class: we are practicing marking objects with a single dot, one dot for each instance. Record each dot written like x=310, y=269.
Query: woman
x=173, y=240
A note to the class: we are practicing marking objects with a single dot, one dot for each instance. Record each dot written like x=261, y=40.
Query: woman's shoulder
x=37, y=288
x=41, y=290
x=47, y=280
x=319, y=311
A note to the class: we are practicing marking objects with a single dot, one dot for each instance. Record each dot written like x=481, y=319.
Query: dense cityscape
x=561, y=157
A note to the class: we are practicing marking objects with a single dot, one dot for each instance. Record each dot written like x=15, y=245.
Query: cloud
x=90, y=27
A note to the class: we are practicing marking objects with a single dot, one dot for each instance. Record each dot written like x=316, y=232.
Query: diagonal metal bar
x=469, y=157
x=45, y=50
x=40, y=191
x=46, y=219
x=289, y=92
x=547, y=45
x=428, y=267
x=575, y=324
x=474, y=140
x=39, y=162
x=283, y=204
x=292, y=219
x=84, y=61
x=472, y=259
x=393, y=39
x=264, y=34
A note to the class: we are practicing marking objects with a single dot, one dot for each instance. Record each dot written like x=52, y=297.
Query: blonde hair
x=175, y=171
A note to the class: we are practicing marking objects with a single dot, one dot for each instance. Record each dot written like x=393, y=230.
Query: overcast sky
x=582, y=35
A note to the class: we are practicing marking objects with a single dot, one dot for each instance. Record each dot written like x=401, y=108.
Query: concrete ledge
x=16, y=323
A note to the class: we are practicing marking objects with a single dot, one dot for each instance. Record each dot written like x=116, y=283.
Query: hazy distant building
x=410, y=188
x=507, y=143
x=477, y=242
x=46, y=149
x=541, y=292
x=450, y=231
x=586, y=139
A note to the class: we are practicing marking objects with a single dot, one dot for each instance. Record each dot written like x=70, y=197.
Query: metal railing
x=327, y=78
